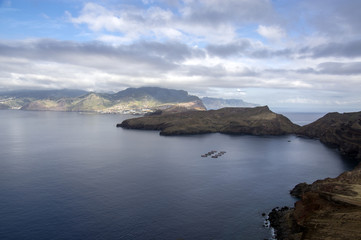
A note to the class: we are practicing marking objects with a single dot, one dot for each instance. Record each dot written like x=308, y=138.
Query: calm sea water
x=302, y=118
x=76, y=176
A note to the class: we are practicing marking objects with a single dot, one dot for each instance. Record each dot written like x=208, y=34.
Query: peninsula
x=253, y=121
x=329, y=208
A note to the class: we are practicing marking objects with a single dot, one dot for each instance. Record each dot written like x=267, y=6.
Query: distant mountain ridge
x=129, y=101
x=218, y=103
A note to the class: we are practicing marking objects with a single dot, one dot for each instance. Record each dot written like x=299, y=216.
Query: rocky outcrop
x=327, y=209
x=340, y=130
x=253, y=121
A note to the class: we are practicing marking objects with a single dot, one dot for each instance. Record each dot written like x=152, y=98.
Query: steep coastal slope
x=329, y=208
x=340, y=130
x=255, y=121
x=129, y=101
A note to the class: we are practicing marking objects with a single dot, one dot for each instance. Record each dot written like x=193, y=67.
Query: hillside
x=129, y=101
x=255, y=121
x=340, y=130
x=327, y=209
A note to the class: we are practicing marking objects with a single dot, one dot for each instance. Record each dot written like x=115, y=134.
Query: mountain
x=218, y=103
x=340, y=130
x=20, y=98
x=129, y=101
x=161, y=95
x=254, y=121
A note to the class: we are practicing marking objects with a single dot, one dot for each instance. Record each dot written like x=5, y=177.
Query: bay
x=77, y=176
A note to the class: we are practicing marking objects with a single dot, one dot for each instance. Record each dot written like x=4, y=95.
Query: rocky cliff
x=340, y=130
x=327, y=209
x=254, y=121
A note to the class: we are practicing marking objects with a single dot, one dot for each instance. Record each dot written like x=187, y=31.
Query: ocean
x=76, y=176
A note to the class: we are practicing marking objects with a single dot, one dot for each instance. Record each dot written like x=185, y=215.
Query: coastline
x=326, y=209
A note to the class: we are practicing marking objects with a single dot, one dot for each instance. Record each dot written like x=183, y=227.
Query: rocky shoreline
x=326, y=209
x=329, y=208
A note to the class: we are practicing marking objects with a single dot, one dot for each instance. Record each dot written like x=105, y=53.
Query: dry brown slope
x=328, y=209
x=341, y=130
x=254, y=121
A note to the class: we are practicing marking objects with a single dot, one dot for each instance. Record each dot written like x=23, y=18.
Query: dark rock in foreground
x=254, y=121
x=328, y=209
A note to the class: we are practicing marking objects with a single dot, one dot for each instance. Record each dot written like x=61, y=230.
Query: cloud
x=133, y=23
x=192, y=21
x=69, y=62
x=349, y=49
x=274, y=33
x=339, y=68
x=226, y=50
x=149, y=55
x=216, y=12
x=199, y=45
x=339, y=20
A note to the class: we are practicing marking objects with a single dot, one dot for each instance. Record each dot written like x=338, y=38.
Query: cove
x=75, y=176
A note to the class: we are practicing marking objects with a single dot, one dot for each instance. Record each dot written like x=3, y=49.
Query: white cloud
x=193, y=22
x=274, y=33
x=153, y=44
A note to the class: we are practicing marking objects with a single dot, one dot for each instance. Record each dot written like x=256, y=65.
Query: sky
x=299, y=55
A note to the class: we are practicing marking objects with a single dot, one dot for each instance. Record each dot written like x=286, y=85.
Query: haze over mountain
x=218, y=103
x=131, y=101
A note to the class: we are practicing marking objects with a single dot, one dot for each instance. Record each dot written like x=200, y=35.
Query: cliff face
x=327, y=209
x=254, y=121
x=340, y=130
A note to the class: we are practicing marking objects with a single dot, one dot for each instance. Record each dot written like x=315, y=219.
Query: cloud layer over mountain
x=281, y=53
